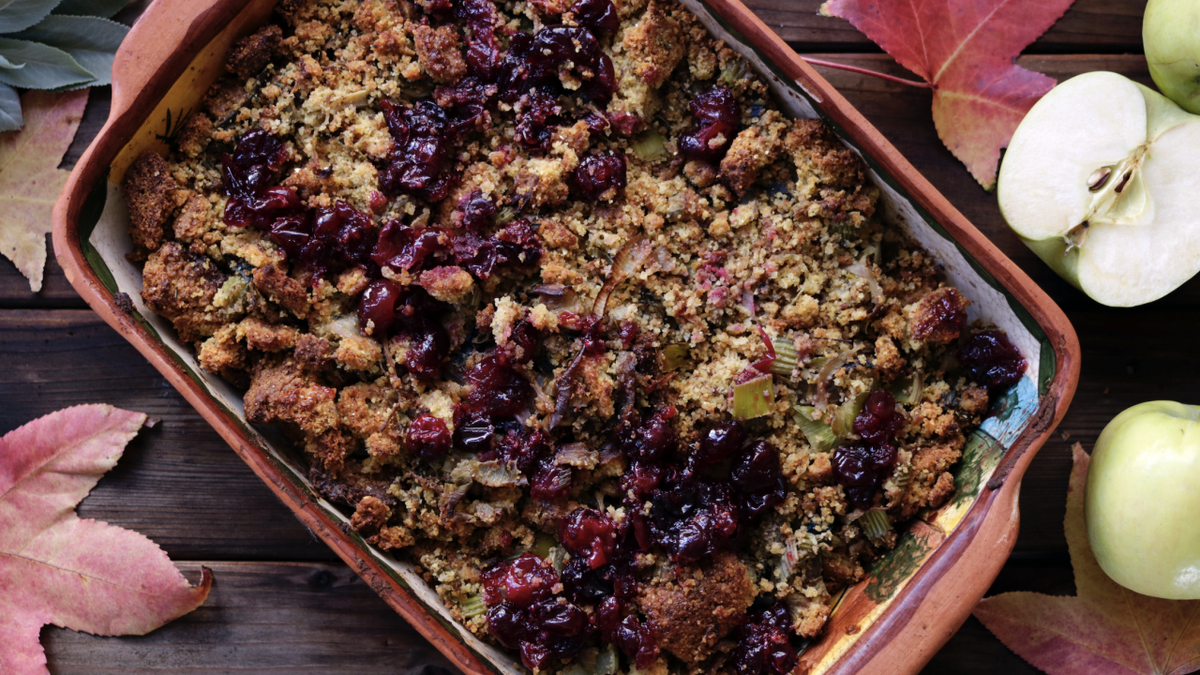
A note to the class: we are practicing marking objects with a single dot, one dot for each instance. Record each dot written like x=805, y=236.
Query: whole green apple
x=1143, y=500
x=1100, y=181
x=1171, y=38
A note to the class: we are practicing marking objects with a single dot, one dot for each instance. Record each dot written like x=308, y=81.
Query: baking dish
x=894, y=621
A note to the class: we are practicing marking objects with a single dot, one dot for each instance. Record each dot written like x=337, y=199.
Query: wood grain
x=281, y=606
x=269, y=618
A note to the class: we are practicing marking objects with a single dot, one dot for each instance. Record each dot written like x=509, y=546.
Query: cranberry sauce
x=861, y=467
x=992, y=360
x=385, y=305
x=716, y=124
x=764, y=644
x=600, y=176
x=524, y=613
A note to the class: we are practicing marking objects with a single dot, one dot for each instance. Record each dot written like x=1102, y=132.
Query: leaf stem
x=865, y=71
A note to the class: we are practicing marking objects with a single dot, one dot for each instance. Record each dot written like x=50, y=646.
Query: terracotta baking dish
x=893, y=622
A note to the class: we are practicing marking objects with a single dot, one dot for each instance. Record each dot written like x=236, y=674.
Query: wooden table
x=282, y=602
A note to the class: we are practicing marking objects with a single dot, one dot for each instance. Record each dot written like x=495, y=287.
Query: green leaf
x=18, y=15
x=11, y=118
x=45, y=67
x=105, y=8
x=92, y=42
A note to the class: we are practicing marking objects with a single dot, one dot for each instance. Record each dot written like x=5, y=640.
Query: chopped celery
x=650, y=146
x=908, y=390
x=753, y=399
x=843, y=418
x=786, y=358
x=675, y=357
x=874, y=524
x=606, y=662
x=473, y=606
x=543, y=545
x=819, y=435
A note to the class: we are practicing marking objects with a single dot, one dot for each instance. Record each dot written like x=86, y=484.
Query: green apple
x=1143, y=497
x=1101, y=181
x=1171, y=38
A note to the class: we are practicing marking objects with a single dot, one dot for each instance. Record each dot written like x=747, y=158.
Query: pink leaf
x=966, y=51
x=56, y=568
x=1107, y=629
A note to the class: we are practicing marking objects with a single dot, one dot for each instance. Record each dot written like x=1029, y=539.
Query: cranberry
x=878, y=422
x=428, y=437
x=641, y=479
x=637, y=642
x=521, y=447
x=859, y=467
x=522, y=343
x=716, y=123
x=476, y=212
x=552, y=481
x=404, y=248
x=544, y=632
x=600, y=176
x=253, y=165
x=653, y=440
x=764, y=644
x=583, y=584
x=537, y=113
x=596, y=15
x=423, y=140
x=533, y=62
x=429, y=345
x=499, y=391
x=516, y=247
x=520, y=582
x=589, y=534
x=692, y=518
x=377, y=307
x=992, y=360
x=483, y=49
x=757, y=476
x=721, y=441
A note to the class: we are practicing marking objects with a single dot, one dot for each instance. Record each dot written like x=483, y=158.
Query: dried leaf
x=56, y=568
x=30, y=179
x=966, y=51
x=1107, y=628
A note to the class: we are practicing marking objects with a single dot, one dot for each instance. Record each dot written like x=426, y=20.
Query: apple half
x=1102, y=181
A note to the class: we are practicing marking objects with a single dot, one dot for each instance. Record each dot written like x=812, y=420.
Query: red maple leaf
x=966, y=51
x=58, y=568
x=1107, y=629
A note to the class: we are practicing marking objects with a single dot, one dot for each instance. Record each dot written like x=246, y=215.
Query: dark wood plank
x=178, y=483
x=264, y=618
x=1106, y=26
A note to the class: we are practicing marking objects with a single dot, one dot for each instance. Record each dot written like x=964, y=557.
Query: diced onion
x=860, y=269
x=825, y=377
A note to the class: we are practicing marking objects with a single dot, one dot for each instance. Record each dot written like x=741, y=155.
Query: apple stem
x=865, y=71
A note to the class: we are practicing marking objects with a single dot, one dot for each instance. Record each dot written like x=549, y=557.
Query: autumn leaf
x=1105, y=630
x=56, y=568
x=966, y=51
x=30, y=179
